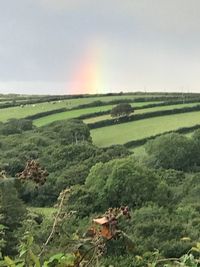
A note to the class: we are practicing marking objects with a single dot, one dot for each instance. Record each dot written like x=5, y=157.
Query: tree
x=153, y=227
x=14, y=126
x=122, y=110
x=12, y=213
x=171, y=151
x=72, y=131
x=121, y=182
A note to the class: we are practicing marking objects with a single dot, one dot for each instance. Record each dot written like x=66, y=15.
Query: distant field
x=27, y=110
x=122, y=133
x=140, y=111
x=76, y=113
x=21, y=112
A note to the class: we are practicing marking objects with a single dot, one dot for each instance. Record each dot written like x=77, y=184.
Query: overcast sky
x=90, y=46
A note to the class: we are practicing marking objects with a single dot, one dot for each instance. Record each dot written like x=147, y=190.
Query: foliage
x=143, y=129
x=12, y=214
x=136, y=117
x=171, y=151
x=14, y=126
x=162, y=189
x=118, y=182
x=123, y=109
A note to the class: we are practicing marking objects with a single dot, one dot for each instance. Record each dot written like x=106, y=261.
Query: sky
x=99, y=46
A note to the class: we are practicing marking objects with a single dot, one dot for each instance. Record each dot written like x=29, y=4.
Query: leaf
x=20, y=264
x=22, y=252
x=186, y=239
x=34, y=259
x=195, y=249
x=56, y=257
x=9, y=262
x=139, y=258
x=3, y=227
x=198, y=245
x=69, y=259
x=152, y=264
x=29, y=241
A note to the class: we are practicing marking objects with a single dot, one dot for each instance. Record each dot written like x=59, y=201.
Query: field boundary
x=110, y=122
x=44, y=99
x=106, y=112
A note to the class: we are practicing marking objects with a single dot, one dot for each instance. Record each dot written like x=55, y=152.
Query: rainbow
x=87, y=78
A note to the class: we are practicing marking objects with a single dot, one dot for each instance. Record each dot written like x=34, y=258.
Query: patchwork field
x=115, y=134
x=122, y=133
x=78, y=112
x=141, y=111
x=28, y=110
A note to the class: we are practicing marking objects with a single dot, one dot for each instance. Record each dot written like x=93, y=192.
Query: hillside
x=66, y=174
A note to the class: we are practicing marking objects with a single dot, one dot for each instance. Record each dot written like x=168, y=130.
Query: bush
x=171, y=151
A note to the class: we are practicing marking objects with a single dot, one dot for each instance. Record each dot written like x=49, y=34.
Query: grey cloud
x=146, y=41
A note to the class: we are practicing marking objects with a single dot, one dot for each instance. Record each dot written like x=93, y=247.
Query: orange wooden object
x=106, y=230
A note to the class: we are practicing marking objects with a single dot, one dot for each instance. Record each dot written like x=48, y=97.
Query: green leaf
x=56, y=257
x=34, y=259
x=22, y=252
x=198, y=245
x=29, y=241
x=186, y=239
x=9, y=262
x=68, y=259
x=195, y=249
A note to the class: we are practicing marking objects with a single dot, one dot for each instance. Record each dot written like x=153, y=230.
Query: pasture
x=125, y=132
x=141, y=111
x=32, y=109
x=78, y=112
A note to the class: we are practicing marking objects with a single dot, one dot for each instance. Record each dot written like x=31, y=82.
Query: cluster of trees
x=161, y=189
x=64, y=149
x=175, y=151
x=14, y=126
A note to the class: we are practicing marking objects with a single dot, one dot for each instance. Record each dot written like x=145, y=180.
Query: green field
x=78, y=112
x=140, y=111
x=28, y=110
x=122, y=133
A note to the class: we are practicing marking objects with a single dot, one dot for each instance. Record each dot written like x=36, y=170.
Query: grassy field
x=76, y=113
x=122, y=133
x=140, y=111
x=27, y=110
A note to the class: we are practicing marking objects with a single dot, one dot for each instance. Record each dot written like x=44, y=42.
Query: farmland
x=141, y=111
x=115, y=134
x=28, y=110
x=67, y=172
x=78, y=112
x=122, y=133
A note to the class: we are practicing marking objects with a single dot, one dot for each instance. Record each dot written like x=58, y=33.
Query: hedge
x=167, y=101
x=136, y=117
x=162, y=104
x=46, y=113
x=34, y=100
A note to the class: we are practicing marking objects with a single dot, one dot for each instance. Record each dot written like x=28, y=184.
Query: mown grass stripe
x=136, y=130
